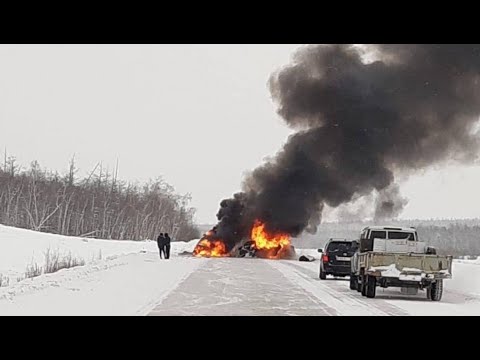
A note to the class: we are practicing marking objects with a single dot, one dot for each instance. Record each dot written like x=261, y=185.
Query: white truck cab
x=391, y=239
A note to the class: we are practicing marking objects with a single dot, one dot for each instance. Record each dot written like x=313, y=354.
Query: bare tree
x=99, y=205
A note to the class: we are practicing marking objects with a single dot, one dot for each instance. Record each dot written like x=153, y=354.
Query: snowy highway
x=130, y=279
x=269, y=287
x=141, y=284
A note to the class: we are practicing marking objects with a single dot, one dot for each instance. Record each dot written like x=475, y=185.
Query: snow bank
x=20, y=248
x=125, y=285
x=471, y=261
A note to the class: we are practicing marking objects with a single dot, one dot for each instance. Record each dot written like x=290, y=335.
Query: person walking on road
x=167, y=246
x=161, y=245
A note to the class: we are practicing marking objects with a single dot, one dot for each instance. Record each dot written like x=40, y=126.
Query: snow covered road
x=240, y=287
x=267, y=287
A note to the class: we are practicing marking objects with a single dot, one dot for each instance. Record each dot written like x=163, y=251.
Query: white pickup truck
x=394, y=257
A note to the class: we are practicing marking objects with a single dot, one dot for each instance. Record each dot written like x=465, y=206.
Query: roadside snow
x=20, y=248
x=472, y=262
x=465, y=279
x=125, y=285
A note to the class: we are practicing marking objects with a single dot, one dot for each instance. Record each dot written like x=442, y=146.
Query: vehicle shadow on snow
x=394, y=296
x=448, y=298
x=387, y=294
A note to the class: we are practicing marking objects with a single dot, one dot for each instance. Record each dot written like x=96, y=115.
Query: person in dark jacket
x=161, y=245
x=167, y=246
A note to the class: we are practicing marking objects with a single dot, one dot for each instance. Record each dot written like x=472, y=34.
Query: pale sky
x=198, y=115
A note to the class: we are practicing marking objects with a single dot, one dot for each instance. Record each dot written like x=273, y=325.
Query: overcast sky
x=198, y=115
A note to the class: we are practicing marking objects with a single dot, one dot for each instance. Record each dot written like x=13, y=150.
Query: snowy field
x=20, y=248
x=130, y=279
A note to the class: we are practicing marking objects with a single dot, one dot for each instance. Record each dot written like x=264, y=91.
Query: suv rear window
x=341, y=246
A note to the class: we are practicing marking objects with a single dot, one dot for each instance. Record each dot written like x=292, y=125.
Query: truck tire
x=361, y=280
x=363, y=286
x=322, y=276
x=436, y=290
x=353, y=282
x=371, y=287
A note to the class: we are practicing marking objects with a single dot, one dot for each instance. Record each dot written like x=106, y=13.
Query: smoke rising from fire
x=358, y=125
x=389, y=203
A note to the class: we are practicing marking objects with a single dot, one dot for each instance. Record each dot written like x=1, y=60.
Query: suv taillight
x=325, y=258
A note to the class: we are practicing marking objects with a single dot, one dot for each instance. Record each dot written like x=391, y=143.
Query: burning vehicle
x=260, y=244
x=248, y=248
x=208, y=248
x=245, y=249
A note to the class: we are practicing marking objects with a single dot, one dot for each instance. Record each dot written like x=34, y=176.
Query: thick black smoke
x=358, y=123
x=389, y=204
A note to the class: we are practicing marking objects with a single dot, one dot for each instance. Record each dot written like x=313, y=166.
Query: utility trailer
x=393, y=257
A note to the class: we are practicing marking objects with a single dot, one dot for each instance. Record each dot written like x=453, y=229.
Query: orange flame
x=210, y=248
x=274, y=245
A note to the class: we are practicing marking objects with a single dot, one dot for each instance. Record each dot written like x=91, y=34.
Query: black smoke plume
x=389, y=204
x=358, y=124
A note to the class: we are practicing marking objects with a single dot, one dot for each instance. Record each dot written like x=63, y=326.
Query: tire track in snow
x=341, y=298
x=163, y=293
x=233, y=286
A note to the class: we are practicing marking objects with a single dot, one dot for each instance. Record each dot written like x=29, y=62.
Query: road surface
x=269, y=287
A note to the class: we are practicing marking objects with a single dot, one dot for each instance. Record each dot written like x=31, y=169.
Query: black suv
x=336, y=257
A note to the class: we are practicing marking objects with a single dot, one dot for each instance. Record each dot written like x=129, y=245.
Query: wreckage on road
x=248, y=248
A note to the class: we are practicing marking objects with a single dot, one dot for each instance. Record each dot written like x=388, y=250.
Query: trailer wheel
x=436, y=290
x=353, y=282
x=363, y=288
x=371, y=286
x=361, y=279
x=322, y=276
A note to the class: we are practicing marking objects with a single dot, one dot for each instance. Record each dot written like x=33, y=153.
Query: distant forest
x=452, y=237
x=98, y=205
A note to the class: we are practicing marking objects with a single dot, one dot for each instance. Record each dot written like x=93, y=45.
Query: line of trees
x=98, y=205
x=457, y=239
x=453, y=237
